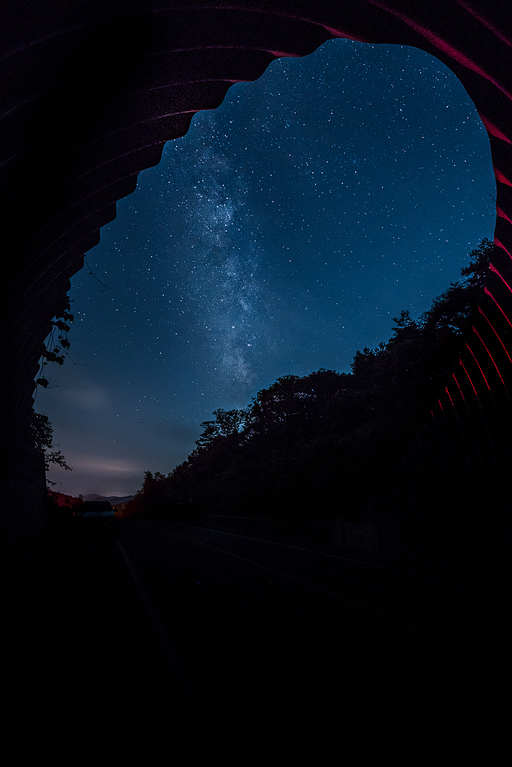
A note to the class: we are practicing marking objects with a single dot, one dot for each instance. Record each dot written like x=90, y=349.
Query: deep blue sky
x=280, y=235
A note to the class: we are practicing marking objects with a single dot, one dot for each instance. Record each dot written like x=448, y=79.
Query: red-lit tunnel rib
x=92, y=90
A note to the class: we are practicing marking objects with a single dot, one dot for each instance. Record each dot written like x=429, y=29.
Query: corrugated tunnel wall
x=92, y=90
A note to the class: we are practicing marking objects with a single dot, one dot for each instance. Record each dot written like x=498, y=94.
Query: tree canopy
x=42, y=432
x=57, y=343
x=309, y=437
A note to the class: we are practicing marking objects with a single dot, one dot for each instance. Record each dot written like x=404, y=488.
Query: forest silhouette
x=305, y=442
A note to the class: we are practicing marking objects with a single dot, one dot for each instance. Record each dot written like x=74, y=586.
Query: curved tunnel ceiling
x=92, y=90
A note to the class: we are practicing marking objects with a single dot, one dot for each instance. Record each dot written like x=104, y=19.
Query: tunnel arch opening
x=190, y=242
x=61, y=184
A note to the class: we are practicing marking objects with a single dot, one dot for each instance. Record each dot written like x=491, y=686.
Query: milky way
x=220, y=263
x=280, y=235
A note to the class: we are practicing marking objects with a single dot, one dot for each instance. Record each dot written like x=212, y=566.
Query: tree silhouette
x=42, y=433
x=305, y=442
x=57, y=343
x=226, y=423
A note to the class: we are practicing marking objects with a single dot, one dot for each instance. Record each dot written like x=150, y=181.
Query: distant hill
x=115, y=500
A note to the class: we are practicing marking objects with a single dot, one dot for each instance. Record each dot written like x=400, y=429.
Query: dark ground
x=224, y=649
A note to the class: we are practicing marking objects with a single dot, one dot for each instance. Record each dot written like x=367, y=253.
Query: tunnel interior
x=93, y=91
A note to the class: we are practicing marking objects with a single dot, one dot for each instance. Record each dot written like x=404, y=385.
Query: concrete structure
x=90, y=92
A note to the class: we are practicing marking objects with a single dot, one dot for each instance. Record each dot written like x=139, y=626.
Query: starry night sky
x=280, y=235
